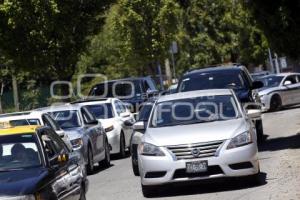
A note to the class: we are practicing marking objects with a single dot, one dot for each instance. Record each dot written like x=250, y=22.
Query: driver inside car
x=18, y=153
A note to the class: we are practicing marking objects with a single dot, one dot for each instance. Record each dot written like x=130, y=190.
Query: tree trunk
x=15, y=93
x=1, y=95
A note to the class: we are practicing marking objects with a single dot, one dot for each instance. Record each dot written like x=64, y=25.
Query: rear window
x=118, y=89
x=213, y=80
x=101, y=111
x=66, y=119
x=24, y=122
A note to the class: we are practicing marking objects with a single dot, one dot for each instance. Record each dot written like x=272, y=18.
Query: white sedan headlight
x=25, y=197
x=77, y=143
x=147, y=149
x=240, y=140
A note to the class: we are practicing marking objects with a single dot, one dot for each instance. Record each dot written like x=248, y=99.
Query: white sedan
x=280, y=90
x=116, y=119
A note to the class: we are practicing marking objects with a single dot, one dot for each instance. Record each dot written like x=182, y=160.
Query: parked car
x=86, y=133
x=116, y=119
x=142, y=118
x=197, y=135
x=34, y=118
x=36, y=164
x=234, y=77
x=257, y=75
x=132, y=91
x=280, y=90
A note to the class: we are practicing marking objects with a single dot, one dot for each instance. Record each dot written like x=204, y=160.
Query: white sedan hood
x=195, y=133
x=267, y=91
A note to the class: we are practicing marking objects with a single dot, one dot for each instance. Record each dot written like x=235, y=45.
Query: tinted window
x=145, y=112
x=292, y=78
x=213, y=80
x=126, y=89
x=18, y=151
x=24, y=122
x=87, y=115
x=66, y=119
x=271, y=81
x=195, y=110
x=53, y=145
x=48, y=121
x=101, y=111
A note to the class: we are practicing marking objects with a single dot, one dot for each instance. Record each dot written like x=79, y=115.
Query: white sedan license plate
x=196, y=167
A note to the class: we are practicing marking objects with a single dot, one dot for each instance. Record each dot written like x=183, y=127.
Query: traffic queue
x=208, y=127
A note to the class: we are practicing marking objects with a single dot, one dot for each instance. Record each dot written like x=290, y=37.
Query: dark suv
x=235, y=77
x=132, y=91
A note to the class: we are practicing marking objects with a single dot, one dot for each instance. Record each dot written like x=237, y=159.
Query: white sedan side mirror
x=287, y=83
x=60, y=133
x=139, y=126
x=254, y=113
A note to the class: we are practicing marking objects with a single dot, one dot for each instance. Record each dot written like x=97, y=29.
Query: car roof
x=125, y=79
x=196, y=93
x=287, y=74
x=92, y=101
x=281, y=74
x=21, y=115
x=54, y=108
x=18, y=130
x=230, y=67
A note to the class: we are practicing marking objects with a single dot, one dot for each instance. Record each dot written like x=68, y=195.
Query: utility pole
x=277, y=64
x=173, y=50
x=271, y=61
x=160, y=76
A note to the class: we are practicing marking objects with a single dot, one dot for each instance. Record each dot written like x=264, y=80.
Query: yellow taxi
x=36, y=164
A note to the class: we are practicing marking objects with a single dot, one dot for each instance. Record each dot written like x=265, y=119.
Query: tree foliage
x=219, y=31
x=137, y=33
x=279, y=21
x=47, y=36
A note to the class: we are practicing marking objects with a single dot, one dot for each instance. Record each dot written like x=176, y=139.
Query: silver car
x=116, y=119
x=197, y=135
x=86, y=134
x=280, y=90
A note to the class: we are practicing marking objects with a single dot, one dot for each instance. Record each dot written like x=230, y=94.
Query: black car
x=235, y=77
x=36, y=164
x=132, y=91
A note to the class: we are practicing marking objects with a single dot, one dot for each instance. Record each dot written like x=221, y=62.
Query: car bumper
x=265, y=101
x=114, y=141
x=172, y=170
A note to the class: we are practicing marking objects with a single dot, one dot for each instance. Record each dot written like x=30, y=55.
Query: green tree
x=136, y=36
x=47, y=37
x=279, y=21
x=215, y=32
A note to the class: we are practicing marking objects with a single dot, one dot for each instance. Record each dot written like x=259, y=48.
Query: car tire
x=149, y=191
x=275, y=103
x=106, y=162
x=90, y=165
x=134, y=162
x=122, y=153
x=255, y=179
x=259, y=130
x=82, y=195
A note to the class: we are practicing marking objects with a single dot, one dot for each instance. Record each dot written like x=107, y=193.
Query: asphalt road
x=280, y=166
